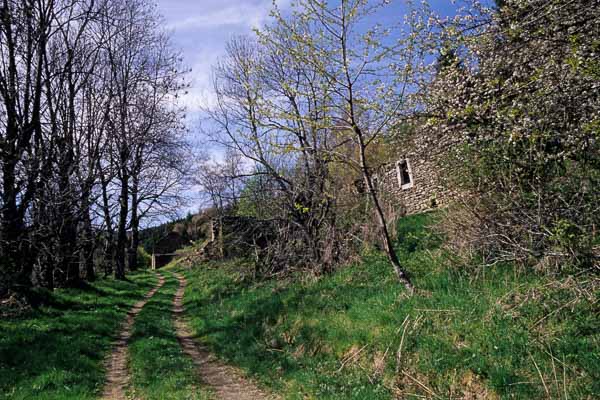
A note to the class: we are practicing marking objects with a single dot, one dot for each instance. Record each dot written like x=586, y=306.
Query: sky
x=201, y=29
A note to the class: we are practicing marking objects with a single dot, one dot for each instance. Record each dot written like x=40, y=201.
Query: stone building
x=416, y=179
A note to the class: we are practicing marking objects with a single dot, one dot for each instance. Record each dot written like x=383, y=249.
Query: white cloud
x=201, y=30
x=184, y=15
x=236, y=16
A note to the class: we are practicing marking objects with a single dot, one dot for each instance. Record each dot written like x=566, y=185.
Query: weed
x=355, y=334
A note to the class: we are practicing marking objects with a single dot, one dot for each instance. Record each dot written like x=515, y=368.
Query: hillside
x=391, y=199
x=168, y=237
x=467, y=333
x=471, y=333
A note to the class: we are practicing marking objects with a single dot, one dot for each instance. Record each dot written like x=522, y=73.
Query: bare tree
x=146, y=78
x=221, y=181
x=24, y=33
x=89, y=115
x=270, y=110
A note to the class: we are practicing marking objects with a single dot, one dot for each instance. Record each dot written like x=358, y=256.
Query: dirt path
x=227, y=382
x=117, y=374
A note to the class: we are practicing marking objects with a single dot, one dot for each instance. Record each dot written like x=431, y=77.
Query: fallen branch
x=428, y=390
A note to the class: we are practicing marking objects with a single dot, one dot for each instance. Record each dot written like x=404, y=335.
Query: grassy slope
x=56, y=351
x=493, y=333
x=159, y=368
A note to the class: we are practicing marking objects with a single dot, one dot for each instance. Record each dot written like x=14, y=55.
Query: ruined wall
x=428, y=171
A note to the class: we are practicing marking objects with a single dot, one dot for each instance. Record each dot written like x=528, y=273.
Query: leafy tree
x=525, y=100
x=368, y=76
x=320, y=87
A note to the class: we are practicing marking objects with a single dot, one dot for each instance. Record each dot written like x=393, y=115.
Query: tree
x=146, y=78
x=270, y=110
x=70, y=63
x=24, y=33
x=524, y=98
x=221, y=181
x=366, y=75
x=89, y=115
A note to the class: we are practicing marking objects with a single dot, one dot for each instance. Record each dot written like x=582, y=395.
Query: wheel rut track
x=117, y=376
x=227, y=382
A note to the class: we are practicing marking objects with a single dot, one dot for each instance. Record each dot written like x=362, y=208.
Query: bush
x=523, y=94
x=144, y=259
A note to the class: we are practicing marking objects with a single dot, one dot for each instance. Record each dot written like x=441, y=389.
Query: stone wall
x=427, y=188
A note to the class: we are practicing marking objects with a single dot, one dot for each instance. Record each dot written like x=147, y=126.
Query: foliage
x=254, y=198
x=522, y=92
x=191, y=228
x=314, y=93
x=502, y=332
x=269, y=114
x=144, y=259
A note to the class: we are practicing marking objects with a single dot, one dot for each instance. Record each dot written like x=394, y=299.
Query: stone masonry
x=415, y=180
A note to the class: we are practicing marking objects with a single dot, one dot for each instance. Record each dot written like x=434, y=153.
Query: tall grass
x=497, y=332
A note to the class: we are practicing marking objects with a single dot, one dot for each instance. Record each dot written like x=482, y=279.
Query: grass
x=57, y=350
x=160, y=370
x=495, y=332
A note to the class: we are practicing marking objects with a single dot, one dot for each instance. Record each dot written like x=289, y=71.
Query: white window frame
x=403, y=185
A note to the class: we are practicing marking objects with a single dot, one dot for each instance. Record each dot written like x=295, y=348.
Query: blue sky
x=201, y=29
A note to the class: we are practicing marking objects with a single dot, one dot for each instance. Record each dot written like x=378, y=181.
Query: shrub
x=523, y=93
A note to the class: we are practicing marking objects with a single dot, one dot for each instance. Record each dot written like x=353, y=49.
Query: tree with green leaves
x=523, y=94
x=270, y=111
x=321, y=86
x=368, y=72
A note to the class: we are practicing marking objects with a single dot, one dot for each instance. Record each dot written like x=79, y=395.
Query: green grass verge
x=57, y=350
x=159, y=368
x=496, y=332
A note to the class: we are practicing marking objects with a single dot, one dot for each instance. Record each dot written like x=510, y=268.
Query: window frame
x=403, y=185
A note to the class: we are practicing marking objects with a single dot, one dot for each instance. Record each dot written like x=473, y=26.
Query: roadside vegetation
x=78, y=185
x=56, y=350
x=159, y=368
x=303, y=265
x=495, y=332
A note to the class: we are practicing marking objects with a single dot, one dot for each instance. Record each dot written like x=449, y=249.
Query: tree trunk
x=109, y=244
x=122, y=227
x=359, y=134
x=109, y=254
x=387, y=241
x=88, y=257
x=68, y=247
x=135, y=225
x=88, y=240
x=11, y=226
x=69, y=198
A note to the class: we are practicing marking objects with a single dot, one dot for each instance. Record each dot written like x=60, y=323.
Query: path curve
x=117, y=375
x=227, y=382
